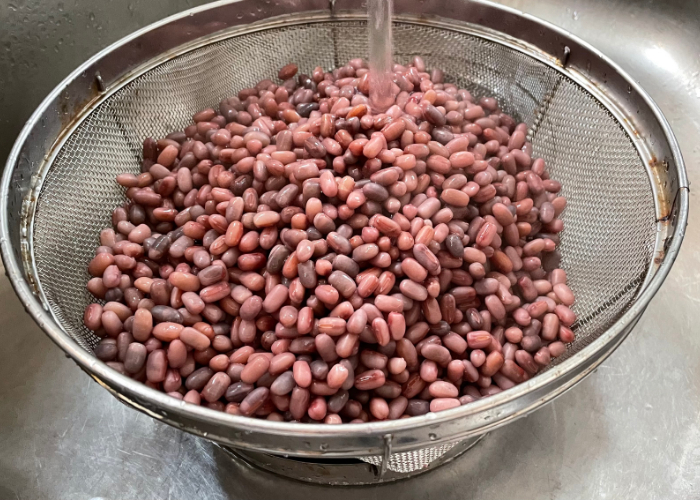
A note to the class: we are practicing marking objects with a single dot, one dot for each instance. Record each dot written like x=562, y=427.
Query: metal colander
x=599, y=134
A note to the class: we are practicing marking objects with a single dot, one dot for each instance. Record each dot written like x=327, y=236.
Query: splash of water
x=381, y=95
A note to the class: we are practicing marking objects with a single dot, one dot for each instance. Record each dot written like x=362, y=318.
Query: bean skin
x=276, y=298
x=388, y=304
x=369, y=380
x=436, y=353
x=440, y=404
x=337, y=376
x=135, y=358
x=168, y=331
x=216, y=387
x=254, y=400
x=566, y=316
x=194, y=339
x=156, y=366
x=441, y=389
x=564, y=294
x=479, y=339
x=302, y=373
x=299, y=402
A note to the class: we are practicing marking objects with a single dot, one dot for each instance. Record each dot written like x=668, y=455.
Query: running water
x=381, y=94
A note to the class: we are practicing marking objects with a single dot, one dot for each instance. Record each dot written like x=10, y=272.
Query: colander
x=599, y=133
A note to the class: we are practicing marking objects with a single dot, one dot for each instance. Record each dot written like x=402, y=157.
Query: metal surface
x=350, y=472
x=630, y=429
x=540, y=92
x=42, y=41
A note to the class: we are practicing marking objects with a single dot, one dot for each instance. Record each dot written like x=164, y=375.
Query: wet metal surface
x=630, y=430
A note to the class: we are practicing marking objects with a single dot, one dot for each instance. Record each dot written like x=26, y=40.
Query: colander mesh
x=610, y=220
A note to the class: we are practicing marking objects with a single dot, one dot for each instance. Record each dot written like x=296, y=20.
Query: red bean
x=436, y=353
x=254, y=400
x=215, y=292
x=100, y=263
x=455, y=343
x=379, y=408
x=346, y=344
x=302, y=373
x=156, y=366
x=566, y=315
x=281, y=363
x=511, y=370
x=369, y=380
x=332, y=326
x=327, y=294
x=386, y=303
x=255, y=369
x=326, y=348
x=397, y=325
x=167, y=331
x=494, y=362
x=479, y=339
x=380, y=329
x=357, y=322
x=442, y=389
x=337, y=376
x=299, y=402
x=135, y=357
x=564, y=294
x=193, y=338
x=216, y=387
x=440, y=404
x=495, y=307
x=526, y=361
x=556, y=349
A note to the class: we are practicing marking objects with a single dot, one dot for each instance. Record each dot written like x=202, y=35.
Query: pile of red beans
x=296, y=256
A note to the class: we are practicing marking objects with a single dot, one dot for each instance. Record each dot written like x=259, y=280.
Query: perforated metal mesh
x=610, y=221
x=413, y=460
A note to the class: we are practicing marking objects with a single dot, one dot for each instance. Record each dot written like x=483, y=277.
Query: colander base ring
x=341, y=472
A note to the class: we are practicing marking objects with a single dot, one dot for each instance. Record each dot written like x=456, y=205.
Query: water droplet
x=92, y=16
x=323, y=446
x=575, y=16
x=432, y=436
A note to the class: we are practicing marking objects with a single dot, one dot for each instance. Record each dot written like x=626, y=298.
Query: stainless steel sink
x=630, y=430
